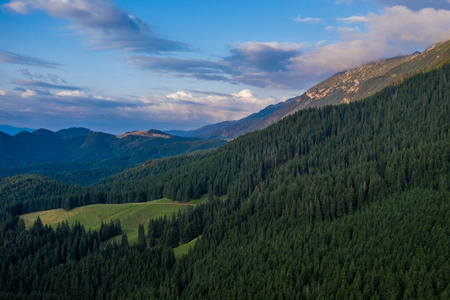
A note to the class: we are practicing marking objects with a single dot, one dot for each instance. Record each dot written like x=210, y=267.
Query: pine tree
x=124, y=241
x=142, y=241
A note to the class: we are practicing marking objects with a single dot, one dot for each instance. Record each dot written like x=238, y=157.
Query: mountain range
x=73, y=149
x=344, y=87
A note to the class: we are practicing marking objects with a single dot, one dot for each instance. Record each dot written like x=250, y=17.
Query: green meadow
x=184, y=248
x=129, y=214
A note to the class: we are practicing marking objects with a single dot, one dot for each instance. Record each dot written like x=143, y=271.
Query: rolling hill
x=96, y=154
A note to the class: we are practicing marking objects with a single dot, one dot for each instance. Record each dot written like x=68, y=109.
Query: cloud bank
x=261, y=64
x=103, y=23
x=397, y=30
x=182, y=109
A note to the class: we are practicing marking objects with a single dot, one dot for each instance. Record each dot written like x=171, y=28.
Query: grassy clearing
x=184, y=249
x=201, y=200
x=129, y=214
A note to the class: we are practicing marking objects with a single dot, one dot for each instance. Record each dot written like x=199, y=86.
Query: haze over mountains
x=11, y=130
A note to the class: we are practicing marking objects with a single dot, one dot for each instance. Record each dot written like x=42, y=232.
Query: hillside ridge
x=343, y=87
x=76, y=150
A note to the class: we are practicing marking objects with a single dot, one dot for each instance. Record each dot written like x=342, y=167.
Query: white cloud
x=396, y=30
x=76, y=93
x=181, y=95
x=18, y=6
x=347, y=30
x=3, y=93
x=28, y=93
x=103, y=98
x=335, y=58
x=197, y=105
x=409, y=27
x=354, y=19
x=307, y=20
x=245, y=94
x=253, y=46
x=103, y=22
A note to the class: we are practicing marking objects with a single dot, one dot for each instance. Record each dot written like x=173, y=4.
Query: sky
x=124, y=65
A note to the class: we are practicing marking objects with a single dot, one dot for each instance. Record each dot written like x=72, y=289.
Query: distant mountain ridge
x=152, y=133
x=11, y=130
x=226, y=130
x=73, y=132
x=80, y=148
x=344, y=87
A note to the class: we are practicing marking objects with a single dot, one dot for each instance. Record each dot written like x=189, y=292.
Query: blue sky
x=117, y=66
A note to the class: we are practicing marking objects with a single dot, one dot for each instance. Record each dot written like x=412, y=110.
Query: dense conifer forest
x=348, y=201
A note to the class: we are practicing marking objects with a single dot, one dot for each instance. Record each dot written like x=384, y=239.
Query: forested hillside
x=393, y=140
x=348, y=201
x=26, y=193
x=80, y=156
